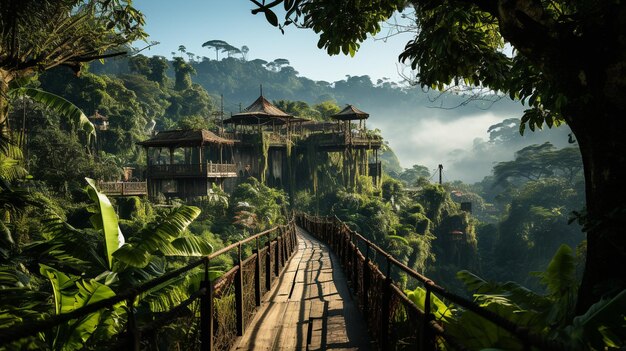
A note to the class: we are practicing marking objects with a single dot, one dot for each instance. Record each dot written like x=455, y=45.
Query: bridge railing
x=211, y=317
x=394, y=321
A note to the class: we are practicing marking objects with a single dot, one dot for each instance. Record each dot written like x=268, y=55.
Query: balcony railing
x=123, y=188
x=343, y=139
x=209, y=170
x=221, y=170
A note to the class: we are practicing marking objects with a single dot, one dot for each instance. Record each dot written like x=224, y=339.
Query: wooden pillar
x=268, y=264
x=386, y=299
x=200, y=160
x=206, y=312
x=366, y=282
x=277, y=258
x=427, y=335
x=239, y=295
x=257, y=275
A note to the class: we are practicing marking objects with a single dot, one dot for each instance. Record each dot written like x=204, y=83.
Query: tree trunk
x=600, y=134
x=5, y=79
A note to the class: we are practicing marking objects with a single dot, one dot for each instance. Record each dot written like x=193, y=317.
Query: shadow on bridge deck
x=310, y=308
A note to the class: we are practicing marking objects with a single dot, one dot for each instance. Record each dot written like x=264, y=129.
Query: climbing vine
x=265, y=147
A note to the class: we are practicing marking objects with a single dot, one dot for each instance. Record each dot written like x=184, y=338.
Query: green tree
x=462, y=42
x=183, y=72
x=244, y=52
x=411, y=176
x=327, y=108
x=38, y=35
x=534, y=226
x=298, y=108
x=539, y=161
x=254, y=205
x=158, y=69
x=139, y=64
x=218, y=45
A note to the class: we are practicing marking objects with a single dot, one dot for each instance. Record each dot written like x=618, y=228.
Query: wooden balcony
x=123, y=188
x=207, y=170
x=336, y=141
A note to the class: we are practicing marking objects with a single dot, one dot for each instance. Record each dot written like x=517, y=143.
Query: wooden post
x=386, y=299
x=257, y=275
x=283, y=248
x=294, y=239
x=239, y=294
x=366, y=281
x=355, y=263
x=200, y=162
x=342, y=247
x=133, y=332
x=268, y=264
x=329, y=236
x=427, y=343
x=277, y=257
x=206, y=312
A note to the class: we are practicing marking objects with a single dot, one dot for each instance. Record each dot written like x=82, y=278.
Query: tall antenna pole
x=440, y=171
x=261, y=89
x=222, y=112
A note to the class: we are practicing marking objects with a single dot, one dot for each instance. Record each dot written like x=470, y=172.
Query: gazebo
x=351, y=113
x=185, y=163
x=263, y=114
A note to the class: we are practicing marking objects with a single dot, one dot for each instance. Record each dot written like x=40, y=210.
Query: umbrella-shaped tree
x=218, y=45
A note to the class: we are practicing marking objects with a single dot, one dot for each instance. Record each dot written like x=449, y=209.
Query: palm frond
x=106, y=220
x=189, y=245
x=62, y=245
x=158, y=237
x=75, y=116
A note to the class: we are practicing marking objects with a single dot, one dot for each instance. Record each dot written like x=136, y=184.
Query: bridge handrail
x=527, y=337
x=286, y=232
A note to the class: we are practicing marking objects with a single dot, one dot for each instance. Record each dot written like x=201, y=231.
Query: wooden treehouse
x=186, y=163
x=267, y=140
x=264, y=137
x=347, y=134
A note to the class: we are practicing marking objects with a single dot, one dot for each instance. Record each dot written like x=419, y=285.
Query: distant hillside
x=425, y=128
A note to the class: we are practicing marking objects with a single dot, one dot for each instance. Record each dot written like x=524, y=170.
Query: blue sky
x=193, y=22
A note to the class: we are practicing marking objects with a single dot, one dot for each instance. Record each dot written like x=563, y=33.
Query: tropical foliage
x=461, y=44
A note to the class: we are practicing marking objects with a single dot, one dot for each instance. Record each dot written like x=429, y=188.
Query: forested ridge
x=64, y=244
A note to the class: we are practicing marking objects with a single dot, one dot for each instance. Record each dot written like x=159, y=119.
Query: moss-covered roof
x=261, y=111
x=350, y=113
x=187, y=137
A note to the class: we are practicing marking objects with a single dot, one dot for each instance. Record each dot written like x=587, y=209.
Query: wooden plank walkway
x=310, y=308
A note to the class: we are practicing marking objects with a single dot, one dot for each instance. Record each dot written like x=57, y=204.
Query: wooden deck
x=310, y=308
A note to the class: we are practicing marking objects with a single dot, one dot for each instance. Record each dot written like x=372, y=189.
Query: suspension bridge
x=313, y=284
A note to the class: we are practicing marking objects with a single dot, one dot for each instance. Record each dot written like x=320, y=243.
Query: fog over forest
x=424, y=132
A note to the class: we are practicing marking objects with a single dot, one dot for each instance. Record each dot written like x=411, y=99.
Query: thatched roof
x=350, y=113
x=98, y=116
x=187, y=137
x=261, y=112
